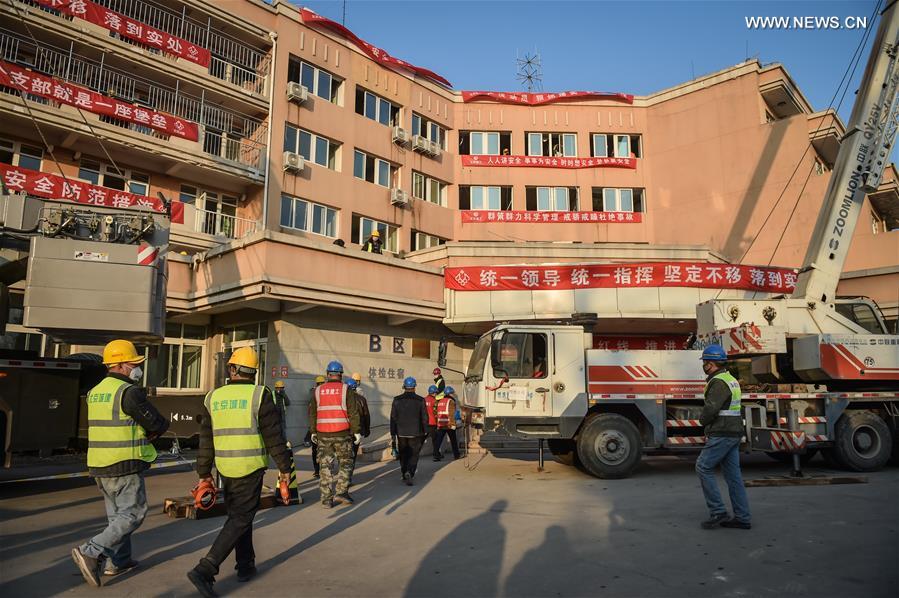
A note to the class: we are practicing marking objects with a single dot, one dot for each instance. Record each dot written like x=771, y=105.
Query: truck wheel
x=863, y=441
x=609, y=446
x=562, y=450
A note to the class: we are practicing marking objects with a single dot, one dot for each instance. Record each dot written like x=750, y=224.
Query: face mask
x=136, y=374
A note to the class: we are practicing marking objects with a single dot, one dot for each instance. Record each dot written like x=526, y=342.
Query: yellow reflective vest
x=112, y=435
x=239, y=448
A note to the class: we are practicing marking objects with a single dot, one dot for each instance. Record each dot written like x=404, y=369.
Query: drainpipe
x=268, y=142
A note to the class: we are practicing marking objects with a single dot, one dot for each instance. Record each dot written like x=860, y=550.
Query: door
x=525, y=359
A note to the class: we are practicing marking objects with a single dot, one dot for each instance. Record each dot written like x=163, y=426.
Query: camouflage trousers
x=329, y=450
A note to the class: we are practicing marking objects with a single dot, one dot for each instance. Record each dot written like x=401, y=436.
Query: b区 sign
x=547, y=162
x=612, y=276
x=537, y=99
x=526, y=216
x=126, y=27
x=73, y=95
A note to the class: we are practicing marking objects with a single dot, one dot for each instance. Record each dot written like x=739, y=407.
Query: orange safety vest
x=444, y=415
x=429, y=402
x=330, y=408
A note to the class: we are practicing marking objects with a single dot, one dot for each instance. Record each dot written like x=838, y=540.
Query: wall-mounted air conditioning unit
x=434, y=148
x=398, y=197
x=400, y=135
x=296, y=93
x=420, y=144
x=293, y=162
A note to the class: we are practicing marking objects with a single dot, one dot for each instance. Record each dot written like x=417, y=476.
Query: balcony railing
x=223, y=225
x=227, y=134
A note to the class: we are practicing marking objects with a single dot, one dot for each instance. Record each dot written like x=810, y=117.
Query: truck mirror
x=495, y=348
x=441, y=352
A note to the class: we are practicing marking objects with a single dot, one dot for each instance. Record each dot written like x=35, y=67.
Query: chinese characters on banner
x=42, y=184
x=548, y=162
x=615, y=276
x=65, y=93
x=538, y=99
x=665, y=342
x=377, y=54
x=525, y=216
x=139, y=32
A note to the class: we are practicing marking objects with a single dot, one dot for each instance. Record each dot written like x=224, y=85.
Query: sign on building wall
x=526, y=216
x=376, y=344
x=478, y=161
x=540, y=98
x=612, y=276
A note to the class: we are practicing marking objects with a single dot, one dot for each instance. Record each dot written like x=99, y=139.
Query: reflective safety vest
x=444, y=416
x=432, y=416
x=112, y=435
x=734, y=409
x=239, y=448
x=330, y=408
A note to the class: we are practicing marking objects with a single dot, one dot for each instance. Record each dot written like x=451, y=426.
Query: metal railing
x=227, y=134
x=223, y=225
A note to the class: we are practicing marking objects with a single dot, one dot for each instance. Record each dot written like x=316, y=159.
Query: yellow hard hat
x=357, y=376
x=376, y=233
x=245, y=357
x=319, y=379
x=120, y=351
x=279, y=384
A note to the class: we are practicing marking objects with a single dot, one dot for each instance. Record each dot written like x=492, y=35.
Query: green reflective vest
x=112, y=436
x=734, y=385
x=239, y=448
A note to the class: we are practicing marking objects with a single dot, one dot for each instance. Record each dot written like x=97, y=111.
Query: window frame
x=377, y=165
x=389, y=233
x=15, y=148
x=335, y=86
x=180, y=342
x=426, y=183
x=548, y=141
x=309, y=216
x=332, y=147
x=637, y=198
x=424, y=129
x=431, y=240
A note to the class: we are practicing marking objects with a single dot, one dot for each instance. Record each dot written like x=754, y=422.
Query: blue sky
x=634, y=47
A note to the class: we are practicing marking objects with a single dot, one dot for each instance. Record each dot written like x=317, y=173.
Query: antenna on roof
x=343, y=18
x=530, y=71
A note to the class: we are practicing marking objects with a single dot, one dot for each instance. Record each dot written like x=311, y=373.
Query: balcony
x=225, y=134
x=223, y=225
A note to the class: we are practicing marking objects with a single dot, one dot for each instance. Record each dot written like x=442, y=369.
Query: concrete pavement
x=488, y=526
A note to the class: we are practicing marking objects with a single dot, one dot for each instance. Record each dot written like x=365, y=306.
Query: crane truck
x=603, y=409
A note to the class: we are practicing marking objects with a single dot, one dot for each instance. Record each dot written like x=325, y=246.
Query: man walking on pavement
x=408, y=427
x=431, y=406
x=446, y=421
x=240, y=427
x=723, y=422
x=334, y=415
x=121, y=423
x=319, y=380
x=364, y=416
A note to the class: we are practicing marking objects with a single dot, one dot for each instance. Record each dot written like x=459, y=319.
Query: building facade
x=306, y=136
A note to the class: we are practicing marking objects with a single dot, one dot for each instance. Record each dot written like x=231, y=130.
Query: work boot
x=112, y=570
x=328, y=504
x=344, y=498
x=736, y=524
x=202, y=582
x=714, y=521
x=316, y=475
x=245, y=573
x=89, y=566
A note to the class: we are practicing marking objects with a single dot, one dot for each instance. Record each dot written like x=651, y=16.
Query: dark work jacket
x=364, y=415
x=269, y=428
x=372, y=245
x=136, y=405
x=408, y=416
x=717, y=398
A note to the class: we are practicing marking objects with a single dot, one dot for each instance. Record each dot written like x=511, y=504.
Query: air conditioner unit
x=398, y=197
x=434, y=148
x=400, y=135
x=296, y=93
x=420, y=144
x=293, y=162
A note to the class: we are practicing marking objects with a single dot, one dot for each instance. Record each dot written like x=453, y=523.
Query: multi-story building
x=305, y=136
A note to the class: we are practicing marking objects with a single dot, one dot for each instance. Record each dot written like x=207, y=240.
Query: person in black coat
x=408, y=428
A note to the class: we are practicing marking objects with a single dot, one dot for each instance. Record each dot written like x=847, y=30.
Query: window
x=21, y=154
x=609, y=199
x=551, y=199
x=374, y=170
x=106, y=175
x=317, y=81
x=307, y=216
x=861, y=314
x=314, y=148
x=552, y=144
x=421, y=347
x=484, y=143
x=428, y=189
x=177, y=364
x=376, y=108
x=424, y=240
x=363, y=228
x=522, y=355
x=428, y=129
x=617, y=146
x=485, y=198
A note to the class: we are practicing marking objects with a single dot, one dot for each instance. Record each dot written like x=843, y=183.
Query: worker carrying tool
x=240, y=426
x=121, y=424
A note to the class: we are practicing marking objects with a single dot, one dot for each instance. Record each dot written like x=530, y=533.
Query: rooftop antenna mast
x=530, y=71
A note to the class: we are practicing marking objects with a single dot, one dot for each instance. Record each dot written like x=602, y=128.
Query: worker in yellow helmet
x=240, y=428
x=373, y=243
x=121, y=424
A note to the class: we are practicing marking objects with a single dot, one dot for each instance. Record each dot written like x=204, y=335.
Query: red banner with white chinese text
x=52, y=186
x=526, y=216
x=537, y=99
x=126, y=27
x=618, y=276
x=73, y=95
x=547, y=162
x=666, y=342
x=377, y=54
